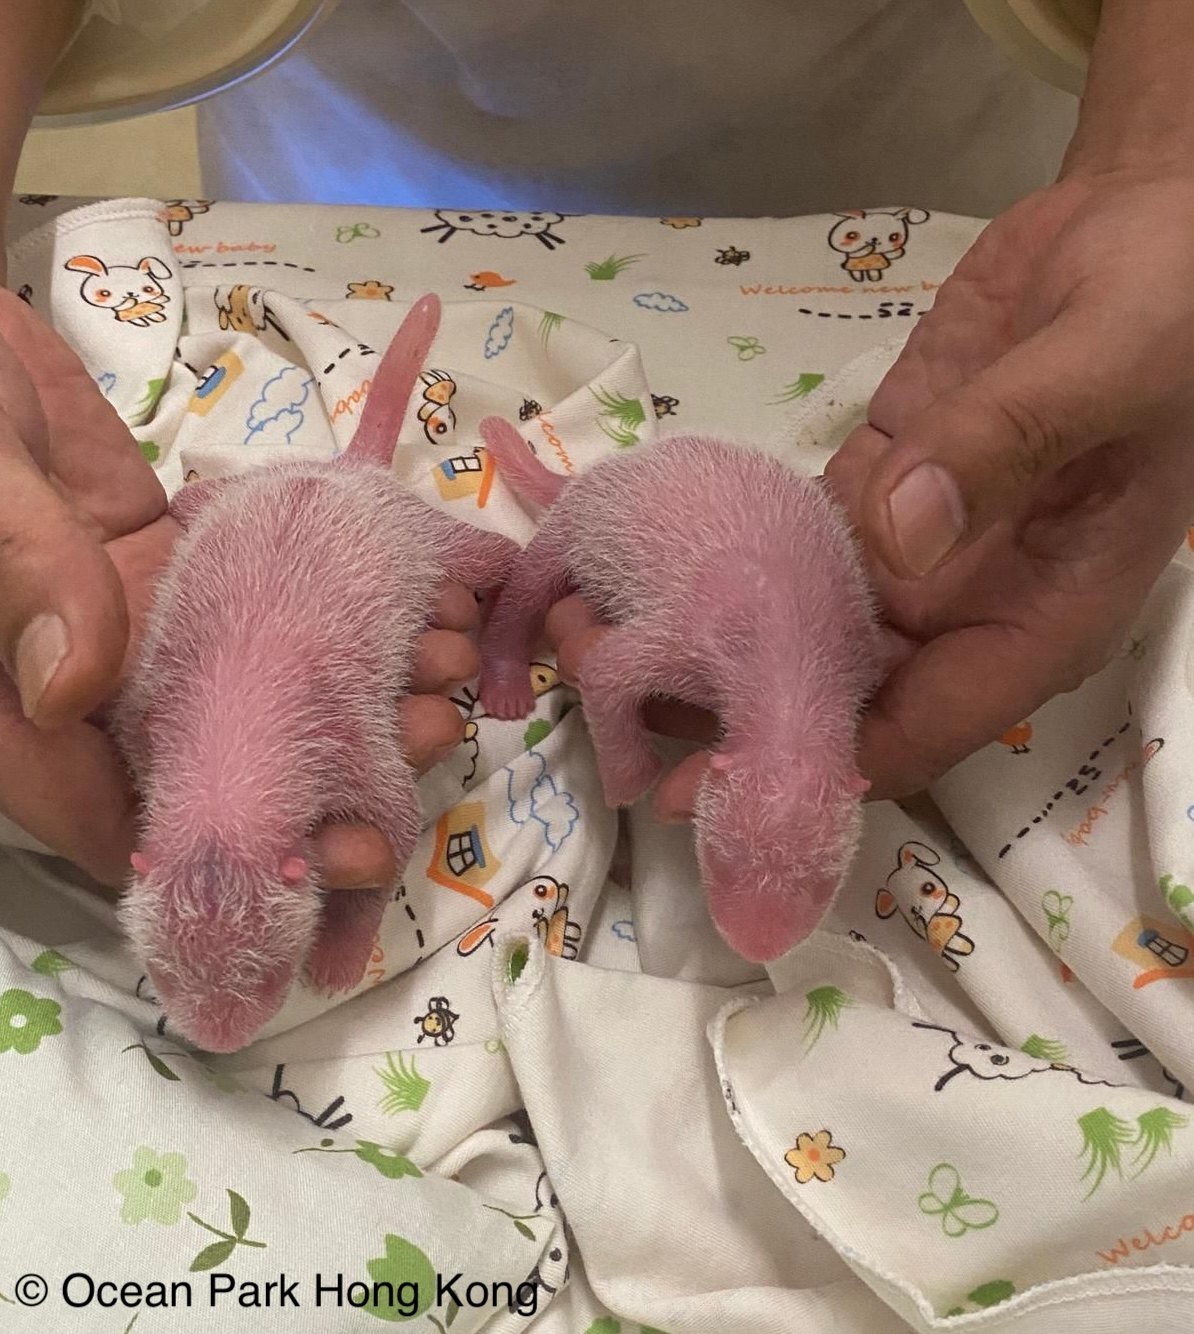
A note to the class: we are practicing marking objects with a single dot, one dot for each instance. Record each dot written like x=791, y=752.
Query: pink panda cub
x=731, y=582
x=264, y=702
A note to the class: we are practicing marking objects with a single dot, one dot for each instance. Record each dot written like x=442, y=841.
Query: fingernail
x=40, y=650
x=927, y=516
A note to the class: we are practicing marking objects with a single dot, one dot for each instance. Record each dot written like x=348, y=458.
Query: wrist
x=33, y=35
x=1138, y=108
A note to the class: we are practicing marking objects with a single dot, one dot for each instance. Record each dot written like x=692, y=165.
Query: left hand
x=1051, y=387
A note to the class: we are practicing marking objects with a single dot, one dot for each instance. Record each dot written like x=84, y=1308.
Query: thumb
x=978, y=452
x=63, y=619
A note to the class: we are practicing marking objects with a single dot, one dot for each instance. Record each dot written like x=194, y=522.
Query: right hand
x=84, y=531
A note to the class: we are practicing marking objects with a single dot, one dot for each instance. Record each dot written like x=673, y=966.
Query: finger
x=568, y=618
x=445, y=659
x=63, y=621
x=979, y=452
x=431, y=728
x=928, y=716
x=686, y=722
x=456, y=609
x=22, y=408
x=69, y=790
x=848, y=471
x=91, y=451
x=675, y=797
x=354, y=857
x=574, y=650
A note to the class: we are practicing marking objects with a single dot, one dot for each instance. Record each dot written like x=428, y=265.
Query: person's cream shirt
x=668, y=106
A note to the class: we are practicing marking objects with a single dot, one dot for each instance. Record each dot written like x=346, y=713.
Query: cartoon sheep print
x=987, y=1061
x=508, y=226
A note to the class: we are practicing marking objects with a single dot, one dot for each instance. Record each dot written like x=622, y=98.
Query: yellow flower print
x=814, y=1156
x=372, y=290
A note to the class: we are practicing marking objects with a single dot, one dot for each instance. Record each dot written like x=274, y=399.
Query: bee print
x=439, y=1023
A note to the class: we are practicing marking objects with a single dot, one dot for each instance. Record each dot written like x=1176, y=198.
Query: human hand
x=1049, y=395
x=84, y=531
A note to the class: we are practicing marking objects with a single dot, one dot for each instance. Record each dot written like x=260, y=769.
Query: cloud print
x=662, y=301
x=500, y=333
x=544, y=804
x=277, y=413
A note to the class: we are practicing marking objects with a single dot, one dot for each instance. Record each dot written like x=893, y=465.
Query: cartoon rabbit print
x=871, y=239
x=922, y=898
x=133, y=293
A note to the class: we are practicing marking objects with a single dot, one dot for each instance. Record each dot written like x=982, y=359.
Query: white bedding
x=962, y=1101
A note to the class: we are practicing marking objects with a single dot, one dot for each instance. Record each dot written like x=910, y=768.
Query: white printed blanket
x=557, y=1102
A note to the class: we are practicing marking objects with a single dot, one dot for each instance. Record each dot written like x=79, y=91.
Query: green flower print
x=1179, y=897
x=402, y=1263
x=155, y=1188
x=388, y=1162
x=25, y=1020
